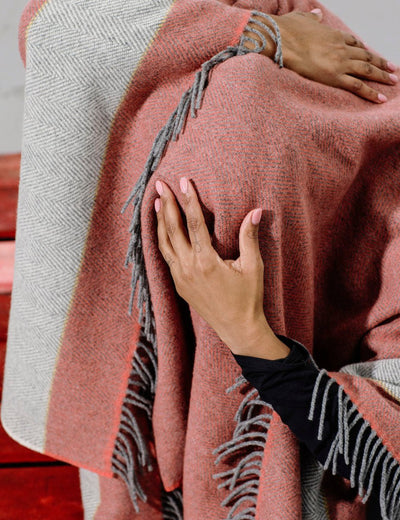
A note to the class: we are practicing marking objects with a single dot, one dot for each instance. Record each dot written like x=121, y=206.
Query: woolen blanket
x=107, y=368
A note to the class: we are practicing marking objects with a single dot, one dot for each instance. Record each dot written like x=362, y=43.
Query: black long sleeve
x=287, y=384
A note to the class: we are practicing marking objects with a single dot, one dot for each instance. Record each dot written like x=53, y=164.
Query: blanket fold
x=145, y=398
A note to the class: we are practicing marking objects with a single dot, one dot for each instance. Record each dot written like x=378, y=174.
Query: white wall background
x=378, y=25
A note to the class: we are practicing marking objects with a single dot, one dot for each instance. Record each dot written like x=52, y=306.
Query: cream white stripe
x=80, y=57
x=90, y=492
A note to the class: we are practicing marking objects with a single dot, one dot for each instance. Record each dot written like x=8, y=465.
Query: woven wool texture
x=102, y=80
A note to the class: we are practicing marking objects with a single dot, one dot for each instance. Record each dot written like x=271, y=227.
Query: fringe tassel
x=140, y=393
x=249, y=466
x=143, y=378
x=172, y=505
x=363, y=476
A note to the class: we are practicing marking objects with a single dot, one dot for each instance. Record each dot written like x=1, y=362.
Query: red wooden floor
x=32, y=486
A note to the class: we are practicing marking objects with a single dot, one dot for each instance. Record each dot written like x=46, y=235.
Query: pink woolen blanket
x=138, y=401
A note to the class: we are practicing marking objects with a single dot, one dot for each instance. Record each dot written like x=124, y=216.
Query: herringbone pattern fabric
x=102, y=80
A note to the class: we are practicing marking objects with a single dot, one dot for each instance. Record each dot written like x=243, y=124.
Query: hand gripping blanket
x=107, y=368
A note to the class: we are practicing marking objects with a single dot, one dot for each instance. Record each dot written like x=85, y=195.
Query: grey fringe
x=172, y=505
x=140, y=393
x=374, y=452
x=143, y=379
x=249, y=465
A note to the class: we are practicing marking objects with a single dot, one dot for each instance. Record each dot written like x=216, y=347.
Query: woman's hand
x=326, y=55
x=228, y=294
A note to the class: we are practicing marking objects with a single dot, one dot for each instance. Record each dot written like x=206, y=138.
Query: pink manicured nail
x=256, y=216
x=157, y=205
x=183, y=184
x=316, y=11
x=394, y=78
x=382, y=97
x=159, y=187
x=391, y=66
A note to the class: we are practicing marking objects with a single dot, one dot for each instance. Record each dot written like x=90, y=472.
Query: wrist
x=270, y=49
x=260, y=341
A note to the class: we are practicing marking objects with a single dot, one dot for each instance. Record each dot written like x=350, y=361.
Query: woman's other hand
x=228, y=294
x=326, y=55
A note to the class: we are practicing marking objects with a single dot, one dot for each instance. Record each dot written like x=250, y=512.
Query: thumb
x=316, y=14
x=248, y=239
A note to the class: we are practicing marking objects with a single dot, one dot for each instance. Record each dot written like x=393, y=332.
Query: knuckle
x=171, y=228
x=357, y=85
x=197, y=247
x=205, y=264
x=169, y=259
x=368, y=56
x=353, y=40
x=252, y=233
x=368, y=69
x=193, y=223
x=186, y=273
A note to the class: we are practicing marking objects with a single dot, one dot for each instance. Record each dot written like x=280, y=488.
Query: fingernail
x=183, y=184
x=382, y=98
x=157, y=205
x=391, y=66
x=256, y=216
x=394, y=78
x=159, y=187
x=316, y=11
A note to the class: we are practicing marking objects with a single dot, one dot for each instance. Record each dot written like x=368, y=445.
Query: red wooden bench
x=32, y=486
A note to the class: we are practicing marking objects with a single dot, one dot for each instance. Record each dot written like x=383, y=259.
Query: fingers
x=164, y=243
x=363, y=69
x=359, y=88
x=175, y=245
x=171, y=232
x=364, y=64
x=249, y=247
x=362, y=51
x=198, y=233
x=369, y=57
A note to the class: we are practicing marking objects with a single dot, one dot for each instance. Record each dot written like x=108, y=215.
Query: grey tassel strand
x=249, y=465
x=362, y=474
x=172, y=505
